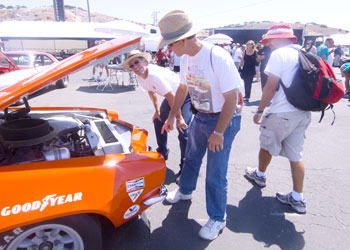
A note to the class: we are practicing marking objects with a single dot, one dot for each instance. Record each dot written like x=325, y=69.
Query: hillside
x=74, y=14
x=310, y=28
x=47, y=14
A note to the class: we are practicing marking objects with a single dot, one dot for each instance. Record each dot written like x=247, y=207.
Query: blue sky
x=215, y=13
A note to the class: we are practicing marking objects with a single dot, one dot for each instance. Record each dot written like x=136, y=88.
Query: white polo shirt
x=160, y=80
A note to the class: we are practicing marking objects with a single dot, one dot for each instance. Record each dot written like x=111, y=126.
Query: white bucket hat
x=174, y=26
x=135, y=54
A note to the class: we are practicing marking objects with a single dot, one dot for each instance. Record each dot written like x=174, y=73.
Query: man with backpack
x=282, y=129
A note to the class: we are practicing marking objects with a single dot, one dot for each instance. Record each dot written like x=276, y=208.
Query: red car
x=30, y=61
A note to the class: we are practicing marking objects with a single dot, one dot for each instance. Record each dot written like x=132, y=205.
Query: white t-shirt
x=160, y=80
x=330, y=59
x=206, y=84
x=238, y=53
x=177, y=59
x=283, y=63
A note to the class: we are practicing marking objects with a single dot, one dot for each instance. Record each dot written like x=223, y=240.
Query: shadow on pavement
x=264, y=218
x=170, y=176
x=116, y=89
x=177, y=231
x=133, y=235
x=254, y=103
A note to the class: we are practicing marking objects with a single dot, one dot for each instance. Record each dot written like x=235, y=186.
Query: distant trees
x=11, y=7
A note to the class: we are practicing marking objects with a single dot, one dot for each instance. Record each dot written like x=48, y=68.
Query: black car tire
x=62, y=83
x=76, y=232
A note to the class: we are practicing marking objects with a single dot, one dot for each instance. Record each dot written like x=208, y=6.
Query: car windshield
x=20, y=60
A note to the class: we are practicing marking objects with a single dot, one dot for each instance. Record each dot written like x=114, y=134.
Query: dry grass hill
x=74, y=14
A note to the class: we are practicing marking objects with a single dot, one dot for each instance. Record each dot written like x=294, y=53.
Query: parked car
x=31, y=61
x=64, y=170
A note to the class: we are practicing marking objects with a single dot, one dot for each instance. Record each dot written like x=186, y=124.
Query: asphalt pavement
x=255, y=219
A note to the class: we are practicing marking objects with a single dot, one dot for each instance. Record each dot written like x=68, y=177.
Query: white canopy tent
x=54, y=36
x=219, y=39
x=341, y=39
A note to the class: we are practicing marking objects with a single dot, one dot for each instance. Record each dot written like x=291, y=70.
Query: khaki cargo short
x=284, y=133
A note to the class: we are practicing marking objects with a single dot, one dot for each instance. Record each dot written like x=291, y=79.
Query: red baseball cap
x=279, y=31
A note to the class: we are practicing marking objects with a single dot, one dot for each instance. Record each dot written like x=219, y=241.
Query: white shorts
x=284, y=133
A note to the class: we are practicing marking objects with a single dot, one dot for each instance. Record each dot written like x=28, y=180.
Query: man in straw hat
x=210, y=76
x=282, y=129
x=164, y=82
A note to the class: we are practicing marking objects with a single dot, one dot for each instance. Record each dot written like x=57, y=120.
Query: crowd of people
x=202, y=99
x=200, y=85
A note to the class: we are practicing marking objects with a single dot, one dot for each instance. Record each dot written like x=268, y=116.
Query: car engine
x=47, y=136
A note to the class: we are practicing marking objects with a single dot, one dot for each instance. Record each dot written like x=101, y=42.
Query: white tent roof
x=341, y=39
x=68, y=30
x=219, y=39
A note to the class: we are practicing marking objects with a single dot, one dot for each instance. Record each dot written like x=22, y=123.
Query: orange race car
x=63, y=170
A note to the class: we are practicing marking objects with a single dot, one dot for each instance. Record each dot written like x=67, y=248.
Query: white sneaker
x=212, y=229
x=175, y=196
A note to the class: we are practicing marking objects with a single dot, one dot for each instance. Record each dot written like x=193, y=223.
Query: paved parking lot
x=255, y=219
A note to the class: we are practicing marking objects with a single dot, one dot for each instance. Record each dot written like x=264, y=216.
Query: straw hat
x=135, y=54
x=279, y=31
x=174, y=26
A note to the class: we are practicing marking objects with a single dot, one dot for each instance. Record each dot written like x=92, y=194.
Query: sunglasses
x=171, y=44
x=131, y=66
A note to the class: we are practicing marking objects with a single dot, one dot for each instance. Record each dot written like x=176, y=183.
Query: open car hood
x=6, y=62
x=56, y=71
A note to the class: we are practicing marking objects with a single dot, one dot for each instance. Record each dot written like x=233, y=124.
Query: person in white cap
x=164, y=82
x=208, y=73
x=282, y=129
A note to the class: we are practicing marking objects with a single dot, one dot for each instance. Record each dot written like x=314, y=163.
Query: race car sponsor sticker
x=40, y=205
x=135, y=184
x=135, y=195
x=131, y=211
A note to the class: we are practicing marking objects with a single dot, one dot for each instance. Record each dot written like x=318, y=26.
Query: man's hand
x=257, y=118
x=216, y=142
x=156, y=116
x=181, y=125
x=168, y=125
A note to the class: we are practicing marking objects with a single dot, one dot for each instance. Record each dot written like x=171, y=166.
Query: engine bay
x=32, y=136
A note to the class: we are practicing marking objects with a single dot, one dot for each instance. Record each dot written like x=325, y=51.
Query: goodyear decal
x=40, y=205
x=131, y=211
x=135, y=184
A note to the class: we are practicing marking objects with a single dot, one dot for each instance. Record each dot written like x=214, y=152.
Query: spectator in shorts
x=282, y=129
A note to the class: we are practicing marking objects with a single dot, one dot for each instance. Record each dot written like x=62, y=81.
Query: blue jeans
x=201, y=128
x=162, y=139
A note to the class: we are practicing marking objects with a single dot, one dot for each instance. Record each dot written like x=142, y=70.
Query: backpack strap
x=330, y=106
